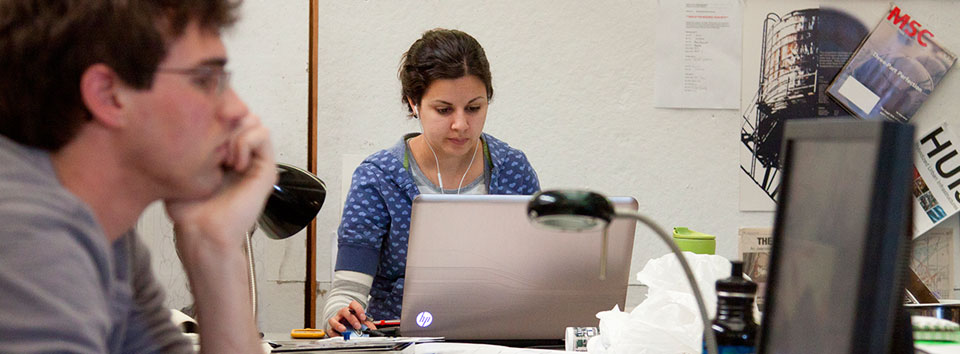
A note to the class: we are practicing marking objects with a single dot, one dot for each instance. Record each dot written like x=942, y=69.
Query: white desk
x=466, y=348
x=438, y=348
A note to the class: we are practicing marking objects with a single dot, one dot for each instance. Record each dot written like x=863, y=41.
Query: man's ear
x=101, y=90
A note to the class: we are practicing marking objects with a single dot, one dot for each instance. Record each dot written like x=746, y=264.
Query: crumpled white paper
x=667, y=321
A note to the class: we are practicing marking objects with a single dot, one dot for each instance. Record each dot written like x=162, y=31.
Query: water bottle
x=734, y=326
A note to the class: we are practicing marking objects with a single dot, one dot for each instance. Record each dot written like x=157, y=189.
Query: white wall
x=269, y=56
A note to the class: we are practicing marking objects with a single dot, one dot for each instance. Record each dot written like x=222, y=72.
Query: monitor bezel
x=880, y=286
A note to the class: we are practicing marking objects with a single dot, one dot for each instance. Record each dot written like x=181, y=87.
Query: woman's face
x=452, y=113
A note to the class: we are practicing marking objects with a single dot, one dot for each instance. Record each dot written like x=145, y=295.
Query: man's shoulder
x=40, y=205
x=35, y=209
x=29, y=184
x=51, y=242
x=55, y=273
x=49, y=225
x=54, y=263
x=23, y=163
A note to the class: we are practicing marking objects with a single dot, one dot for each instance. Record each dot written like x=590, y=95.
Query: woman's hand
x=353, y=315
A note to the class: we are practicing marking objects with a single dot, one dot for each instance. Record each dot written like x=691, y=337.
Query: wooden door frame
x=310, y=286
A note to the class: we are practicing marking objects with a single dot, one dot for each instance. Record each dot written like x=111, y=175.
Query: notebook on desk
x=477, y=269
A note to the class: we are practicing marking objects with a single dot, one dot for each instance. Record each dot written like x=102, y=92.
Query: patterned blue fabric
x=376, y=216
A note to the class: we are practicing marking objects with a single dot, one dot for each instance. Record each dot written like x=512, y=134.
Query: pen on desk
x=380, y=322
x=386, y=323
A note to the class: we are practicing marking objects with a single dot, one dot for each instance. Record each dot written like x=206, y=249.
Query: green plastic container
x=693, y=241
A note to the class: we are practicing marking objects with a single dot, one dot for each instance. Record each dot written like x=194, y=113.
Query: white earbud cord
x=439, y=178
x=468, y=166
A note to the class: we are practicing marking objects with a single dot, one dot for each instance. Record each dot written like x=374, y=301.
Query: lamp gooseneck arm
x=603, y=253
x=248, y=249
x=707, y=330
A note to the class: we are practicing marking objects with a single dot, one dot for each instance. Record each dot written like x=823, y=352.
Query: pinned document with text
x=698, y=54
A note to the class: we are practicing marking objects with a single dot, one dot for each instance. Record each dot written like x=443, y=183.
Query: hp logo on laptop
x=424, y=319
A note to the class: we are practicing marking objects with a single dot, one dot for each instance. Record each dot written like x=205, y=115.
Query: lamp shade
x=296, y=199
x=570, y=210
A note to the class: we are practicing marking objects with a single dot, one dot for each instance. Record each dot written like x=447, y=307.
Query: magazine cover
x=754, y=248
x=894, y=70
x=936, y=178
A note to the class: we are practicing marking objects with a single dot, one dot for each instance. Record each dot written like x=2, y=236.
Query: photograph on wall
x=791, y=52
x=928, y=203
x=895, y=70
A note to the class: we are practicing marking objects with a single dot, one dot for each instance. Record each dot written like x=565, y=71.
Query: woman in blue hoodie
x=446, y=85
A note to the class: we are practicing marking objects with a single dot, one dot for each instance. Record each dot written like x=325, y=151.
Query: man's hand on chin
x=227, y=214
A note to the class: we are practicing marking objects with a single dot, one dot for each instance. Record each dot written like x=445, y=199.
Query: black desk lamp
x=295, y=201
x=573, y=210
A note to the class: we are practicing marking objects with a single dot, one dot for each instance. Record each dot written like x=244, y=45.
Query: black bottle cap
x=736, y=284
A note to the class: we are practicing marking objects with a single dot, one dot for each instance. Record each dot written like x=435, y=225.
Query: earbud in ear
x=416, y=112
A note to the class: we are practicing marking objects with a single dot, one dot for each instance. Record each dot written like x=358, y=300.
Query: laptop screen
x=477, y=269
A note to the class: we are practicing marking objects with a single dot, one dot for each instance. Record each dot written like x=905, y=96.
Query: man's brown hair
x=47, y=45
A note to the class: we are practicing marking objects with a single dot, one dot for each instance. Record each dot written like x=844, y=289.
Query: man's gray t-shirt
x=63, y=287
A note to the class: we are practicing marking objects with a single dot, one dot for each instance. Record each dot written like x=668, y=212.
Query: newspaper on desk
x=357, y=344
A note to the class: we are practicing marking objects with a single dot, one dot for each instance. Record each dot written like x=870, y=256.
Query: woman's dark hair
x=441, y=54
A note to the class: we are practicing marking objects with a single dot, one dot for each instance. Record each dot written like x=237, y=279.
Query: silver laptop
x=477, y=269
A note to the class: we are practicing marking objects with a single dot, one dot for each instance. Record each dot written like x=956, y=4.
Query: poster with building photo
x=791, y=52
x=754, y=249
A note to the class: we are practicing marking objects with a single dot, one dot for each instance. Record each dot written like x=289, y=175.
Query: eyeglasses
x=212, y=80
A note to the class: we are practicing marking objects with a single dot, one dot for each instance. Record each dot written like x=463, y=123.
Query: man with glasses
x=105, y=107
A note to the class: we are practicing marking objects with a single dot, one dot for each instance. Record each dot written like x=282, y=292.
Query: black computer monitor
x=840, y=239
